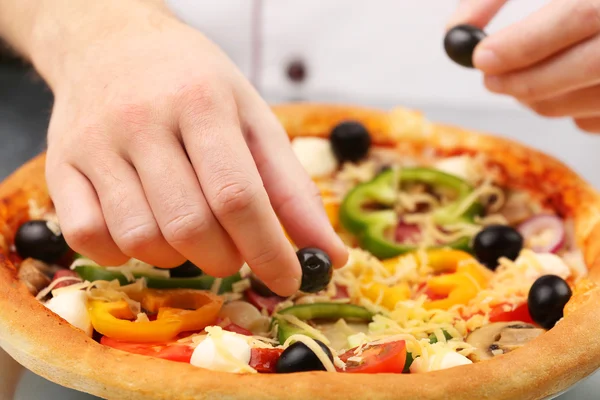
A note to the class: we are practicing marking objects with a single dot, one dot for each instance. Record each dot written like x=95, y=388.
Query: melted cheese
x=72, y=307
x=315, y=155
x=222, y=351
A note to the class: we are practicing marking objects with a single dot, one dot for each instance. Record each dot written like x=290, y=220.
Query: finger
x=178, y=204
x=573, y=69
x=233, y=188
x=294, y=196
x=579, y=103
x=475, y=12
x=81, y=220
x=126, y=211
x=548, y=31
x=591, y=124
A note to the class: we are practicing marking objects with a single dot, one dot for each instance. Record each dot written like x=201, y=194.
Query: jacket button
x=296, y=71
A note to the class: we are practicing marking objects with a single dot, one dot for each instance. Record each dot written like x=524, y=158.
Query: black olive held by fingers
x=316, y=269
x=460, y=43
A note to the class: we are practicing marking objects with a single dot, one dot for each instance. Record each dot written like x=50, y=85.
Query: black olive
x=547, y=298
x=260, y=288
x=460, y=42
x=350, y=141
x=41, y=240
x=185, y=270
x=299, y=358
x=496, y=241
x=316, y=269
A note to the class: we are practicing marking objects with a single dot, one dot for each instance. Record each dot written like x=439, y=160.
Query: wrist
x=66, y=33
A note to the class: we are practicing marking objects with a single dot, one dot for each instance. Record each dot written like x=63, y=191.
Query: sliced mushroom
x=30, y=273
x=500, y=338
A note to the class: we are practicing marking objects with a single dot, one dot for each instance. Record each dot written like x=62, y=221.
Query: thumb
x=475, y=12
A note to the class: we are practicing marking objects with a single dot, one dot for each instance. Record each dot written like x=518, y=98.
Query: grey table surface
x=25, y=105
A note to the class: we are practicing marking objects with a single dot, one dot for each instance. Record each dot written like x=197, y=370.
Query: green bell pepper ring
x=371, y=226
x=203, y=282
x=333, y=311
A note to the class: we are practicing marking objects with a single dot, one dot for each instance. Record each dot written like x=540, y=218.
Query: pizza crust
x=50, y=347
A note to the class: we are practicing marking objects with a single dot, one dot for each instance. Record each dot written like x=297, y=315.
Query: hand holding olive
x=547, y=61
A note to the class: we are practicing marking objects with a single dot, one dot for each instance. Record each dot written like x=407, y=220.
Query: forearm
x=49, y=33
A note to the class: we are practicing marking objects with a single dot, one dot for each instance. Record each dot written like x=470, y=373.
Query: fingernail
x=286, y=286
x=486, y=59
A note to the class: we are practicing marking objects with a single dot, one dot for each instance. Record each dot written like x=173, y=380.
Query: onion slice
x=543, y=233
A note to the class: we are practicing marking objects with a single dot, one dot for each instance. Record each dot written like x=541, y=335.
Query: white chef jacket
x=378, y=52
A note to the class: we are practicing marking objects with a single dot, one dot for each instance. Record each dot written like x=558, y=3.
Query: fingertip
x=486, y=59
x=285, y=286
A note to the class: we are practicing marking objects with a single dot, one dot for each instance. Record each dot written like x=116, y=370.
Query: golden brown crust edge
x=52, y=348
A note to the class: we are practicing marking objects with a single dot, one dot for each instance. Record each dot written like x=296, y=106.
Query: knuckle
x=135, y=238
x=184, y=227
x=234, y=197
x=132, y=121
x=200, y=98
x=266, y=256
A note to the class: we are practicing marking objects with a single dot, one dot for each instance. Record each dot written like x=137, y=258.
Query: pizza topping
x=185, y=270
x=437, y=362
x=177, y=310
x=543, y=233
x=460, y=43
x=495, y=242
x=460, y=166
x=316, y=269
x=500, y=338
x=305, y=354
x=547, y=298
x=350, y=141
x=245, y=315
x=41, y=240
x=72, y=307
x=260, y=288
x=370, y=210
x=222, y=351
x=387, y=357
x=31, y=275
x=154, y=279
x=316, y=156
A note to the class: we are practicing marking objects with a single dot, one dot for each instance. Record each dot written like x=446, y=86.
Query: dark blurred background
x=25, y=104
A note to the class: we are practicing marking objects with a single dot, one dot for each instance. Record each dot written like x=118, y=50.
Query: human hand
x=159, y=149
x=549, y=61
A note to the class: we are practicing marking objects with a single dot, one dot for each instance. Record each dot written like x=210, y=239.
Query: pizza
x=472, y=271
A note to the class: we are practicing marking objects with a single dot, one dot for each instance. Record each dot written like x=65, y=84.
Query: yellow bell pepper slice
x=459, y=287
x=179, y=310
x=389, y=295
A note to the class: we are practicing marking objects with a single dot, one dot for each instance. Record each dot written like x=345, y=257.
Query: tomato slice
x=173, y=351
x=520, y=313
x=264, y=360
x=386, y=357
x=262, y=302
